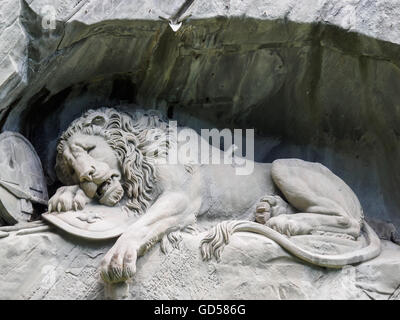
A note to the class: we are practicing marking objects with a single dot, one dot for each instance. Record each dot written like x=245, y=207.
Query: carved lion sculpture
x=113, y=156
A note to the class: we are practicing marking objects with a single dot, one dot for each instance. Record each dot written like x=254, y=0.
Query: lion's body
x=172, y=196
x=230, y=196
x=224, y=195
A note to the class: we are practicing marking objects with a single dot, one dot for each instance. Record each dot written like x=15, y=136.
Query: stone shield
x=22, y=181
x=94, y=222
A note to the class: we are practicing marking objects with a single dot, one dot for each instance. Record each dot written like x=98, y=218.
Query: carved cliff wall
x=317, y=79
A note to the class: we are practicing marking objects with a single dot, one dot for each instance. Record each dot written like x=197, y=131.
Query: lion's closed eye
x=71, y=171
x=91, y=148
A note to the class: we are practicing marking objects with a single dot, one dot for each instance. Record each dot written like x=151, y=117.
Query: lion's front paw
x=119, y=264
x=271, y=206
x=288, y=225
x=68, y=198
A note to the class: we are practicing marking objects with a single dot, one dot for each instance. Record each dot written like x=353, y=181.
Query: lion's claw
x=119, y=264
x=67, y=199
x=271, y=206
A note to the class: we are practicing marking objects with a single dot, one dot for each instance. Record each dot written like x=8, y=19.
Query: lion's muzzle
x=110, y=192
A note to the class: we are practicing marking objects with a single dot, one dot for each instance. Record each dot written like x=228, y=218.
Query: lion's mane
x=138, y=139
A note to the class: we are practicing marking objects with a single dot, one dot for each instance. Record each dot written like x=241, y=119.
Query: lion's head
x=111, y=154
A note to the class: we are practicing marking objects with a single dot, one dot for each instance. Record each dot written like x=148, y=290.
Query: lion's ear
x=99, y=121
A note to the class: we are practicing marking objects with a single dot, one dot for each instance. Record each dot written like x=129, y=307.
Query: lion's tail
x=213, y=244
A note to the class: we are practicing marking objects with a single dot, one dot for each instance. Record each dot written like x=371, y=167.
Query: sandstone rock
x=55, y=266
x=385, y=230
x=3, y=234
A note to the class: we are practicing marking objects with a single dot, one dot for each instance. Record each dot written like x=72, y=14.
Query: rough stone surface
x=52, y=266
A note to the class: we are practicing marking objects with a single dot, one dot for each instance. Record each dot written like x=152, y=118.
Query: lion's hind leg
x=314, y=223
x=325, y=202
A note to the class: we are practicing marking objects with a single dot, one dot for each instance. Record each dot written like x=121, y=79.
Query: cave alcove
x=310, y=90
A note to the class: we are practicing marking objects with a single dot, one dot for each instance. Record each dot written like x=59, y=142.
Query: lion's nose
x=88, y=175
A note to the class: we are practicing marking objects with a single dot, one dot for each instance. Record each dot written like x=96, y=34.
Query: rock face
x=318, y=80
x=50, y=266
